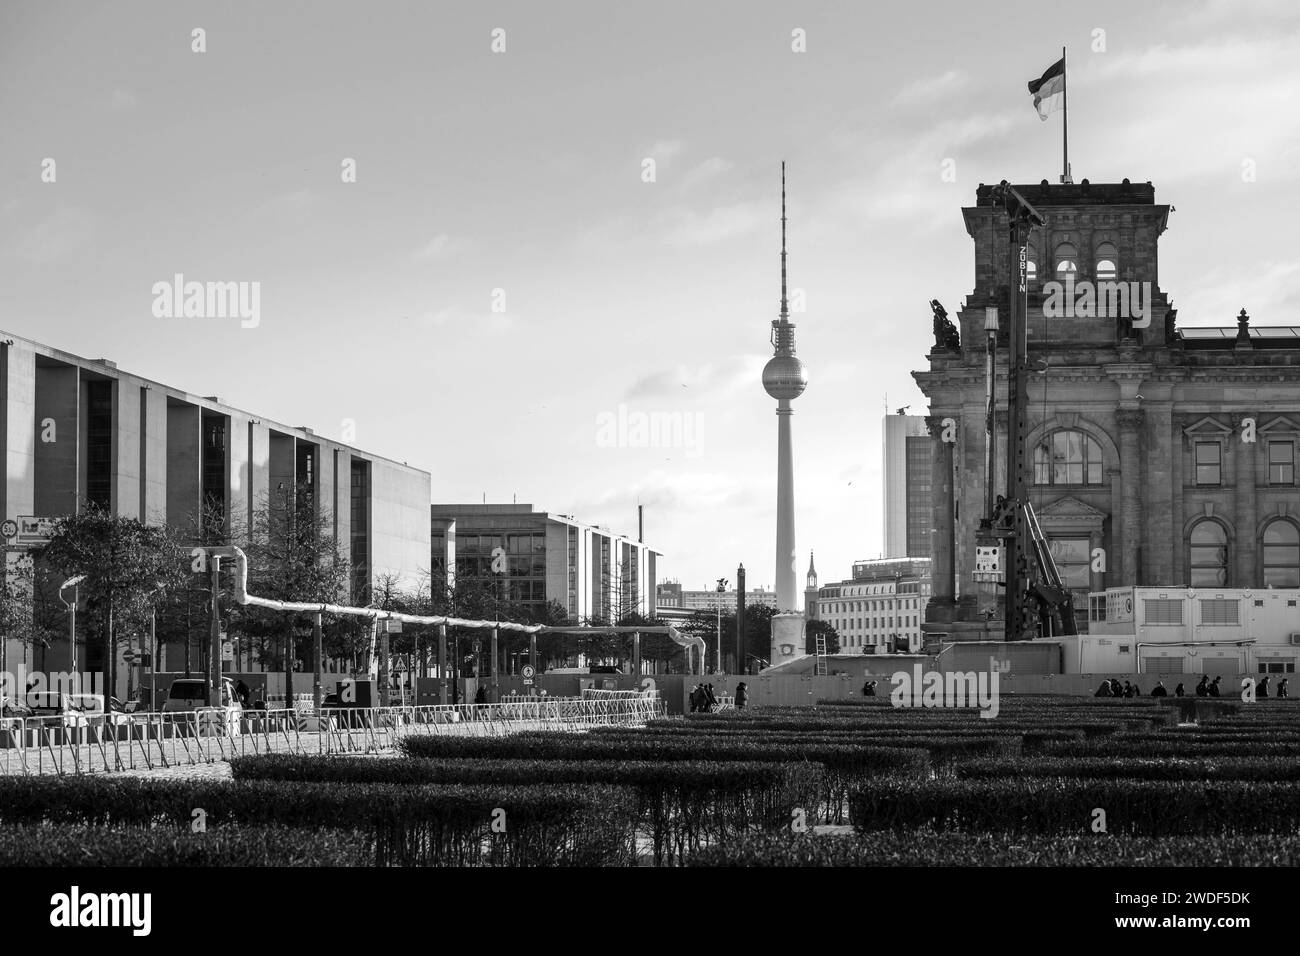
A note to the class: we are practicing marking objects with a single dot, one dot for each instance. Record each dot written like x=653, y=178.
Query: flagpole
x=1065, y=121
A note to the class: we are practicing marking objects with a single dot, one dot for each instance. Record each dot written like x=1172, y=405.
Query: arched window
x=1067, y=458
x=1281, y=554
x=1107, y=258
x=1031, y=263
x=1208, y=557
x=1067, y=260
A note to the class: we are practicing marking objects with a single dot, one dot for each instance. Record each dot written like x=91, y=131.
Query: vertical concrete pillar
x=1245, y=456
x=1130, y=421
x=1159, y=532
x=943, y=596
x=442, y=663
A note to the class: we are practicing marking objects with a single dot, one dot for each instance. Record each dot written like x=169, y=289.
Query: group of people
x=1113, y=688
x=869, y=689
x=1206, y=688
x=704, y=701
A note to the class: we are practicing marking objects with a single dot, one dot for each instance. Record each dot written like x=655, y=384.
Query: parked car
x=191, y=693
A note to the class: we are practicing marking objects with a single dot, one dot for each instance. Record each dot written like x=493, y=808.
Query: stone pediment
x=1069, y=507
x=1280, y=425
x=1207, y=427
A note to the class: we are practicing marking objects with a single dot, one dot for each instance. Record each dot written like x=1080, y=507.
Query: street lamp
x=72, y=619
x=722, y=588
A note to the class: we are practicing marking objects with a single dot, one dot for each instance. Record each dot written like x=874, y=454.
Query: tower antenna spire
x=785, y=302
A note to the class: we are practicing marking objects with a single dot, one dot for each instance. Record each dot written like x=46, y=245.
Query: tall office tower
x=907, y=486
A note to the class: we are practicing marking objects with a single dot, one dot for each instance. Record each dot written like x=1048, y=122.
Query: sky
x=504, y=281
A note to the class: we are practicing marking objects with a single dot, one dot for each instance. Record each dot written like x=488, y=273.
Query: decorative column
x=1246, y=512
x=942, y=564
x=1130, y=422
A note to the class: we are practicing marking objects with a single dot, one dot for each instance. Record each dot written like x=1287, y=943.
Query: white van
x=191, y=693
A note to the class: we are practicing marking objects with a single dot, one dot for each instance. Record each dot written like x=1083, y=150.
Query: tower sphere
x=784, y=376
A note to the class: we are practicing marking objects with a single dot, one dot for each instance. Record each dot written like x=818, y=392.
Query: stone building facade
x=1159, y=455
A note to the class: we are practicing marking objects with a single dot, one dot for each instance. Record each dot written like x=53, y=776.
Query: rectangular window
x=1220, y=611
x=1209, y=465
x=1162, y=611
x=1281, y=463
x=99, y=443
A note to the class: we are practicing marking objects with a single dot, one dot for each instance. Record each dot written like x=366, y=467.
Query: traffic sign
x=527, y=672
x=9, y=529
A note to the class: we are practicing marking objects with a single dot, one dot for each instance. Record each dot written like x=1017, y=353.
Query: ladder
x=819, y=668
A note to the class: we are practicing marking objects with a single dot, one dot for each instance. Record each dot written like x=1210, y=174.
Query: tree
x=292, y=556
x=812, y=629
x=124, y=560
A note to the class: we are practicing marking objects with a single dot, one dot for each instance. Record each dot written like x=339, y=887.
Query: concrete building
x=671, y=594
x=1162, y=455
x=880, y=609
x=907, y=454
x=78, y=430
x=535, y=557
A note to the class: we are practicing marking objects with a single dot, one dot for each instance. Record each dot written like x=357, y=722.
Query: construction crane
x=1037, y=602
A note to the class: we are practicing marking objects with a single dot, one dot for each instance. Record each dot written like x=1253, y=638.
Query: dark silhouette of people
x=1103, y=690
x=1261, y=689
x=242, y=693
x=695, y=699
x=1203, y=688
x=868, y=690
x=1178, y=691
x=1128, y=689
x=1281, y=689
x=1159, y=690
x=1214, y=687
x=1115, y=689
x=710, y=701
x=742, y=695
x=1137, y=691
x=480, y=695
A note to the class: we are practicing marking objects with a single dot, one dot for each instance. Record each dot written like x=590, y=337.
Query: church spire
x=812, y=571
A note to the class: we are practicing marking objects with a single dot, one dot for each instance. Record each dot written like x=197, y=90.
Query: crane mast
x=1037, y=602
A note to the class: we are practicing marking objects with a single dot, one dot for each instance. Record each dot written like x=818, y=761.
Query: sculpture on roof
x=946, y=335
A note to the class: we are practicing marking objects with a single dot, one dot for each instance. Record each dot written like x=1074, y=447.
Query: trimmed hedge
x=928, y=848
x=242, y=846
x=682, y=804
x=1129, y=768
x=1171, y=748
x=845, y=763
x=556, y=825
x=1048, y=805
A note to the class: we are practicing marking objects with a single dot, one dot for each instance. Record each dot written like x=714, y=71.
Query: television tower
x=784, y=378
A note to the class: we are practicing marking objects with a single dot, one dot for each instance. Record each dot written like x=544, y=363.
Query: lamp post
x=717, y=660
x=72, y=620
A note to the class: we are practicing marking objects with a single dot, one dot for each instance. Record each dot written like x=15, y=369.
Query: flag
x=1048, y=90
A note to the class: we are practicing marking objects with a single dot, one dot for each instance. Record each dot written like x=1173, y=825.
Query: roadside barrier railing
x=98, y=743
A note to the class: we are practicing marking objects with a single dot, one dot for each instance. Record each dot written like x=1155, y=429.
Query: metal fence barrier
x=98, y=743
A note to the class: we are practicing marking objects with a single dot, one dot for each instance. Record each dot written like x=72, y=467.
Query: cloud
x=714, y=166
x=665, y=150
x=124, y=100
x=453, y=317
x=687, y=491
x=932, y=88
x=1264, y=289
x=440, y=246
x=683, y=226
x=694, y=383
x=64, y=231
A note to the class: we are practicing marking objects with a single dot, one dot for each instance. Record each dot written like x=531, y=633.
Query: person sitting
x=1178, y=691
x=869, y=689
x=1115, y=689
x=742, y=695
x=1103, y=690
x=1281, y=688
x=1159, y=690
x=1128, y=689
x=1214, y=687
